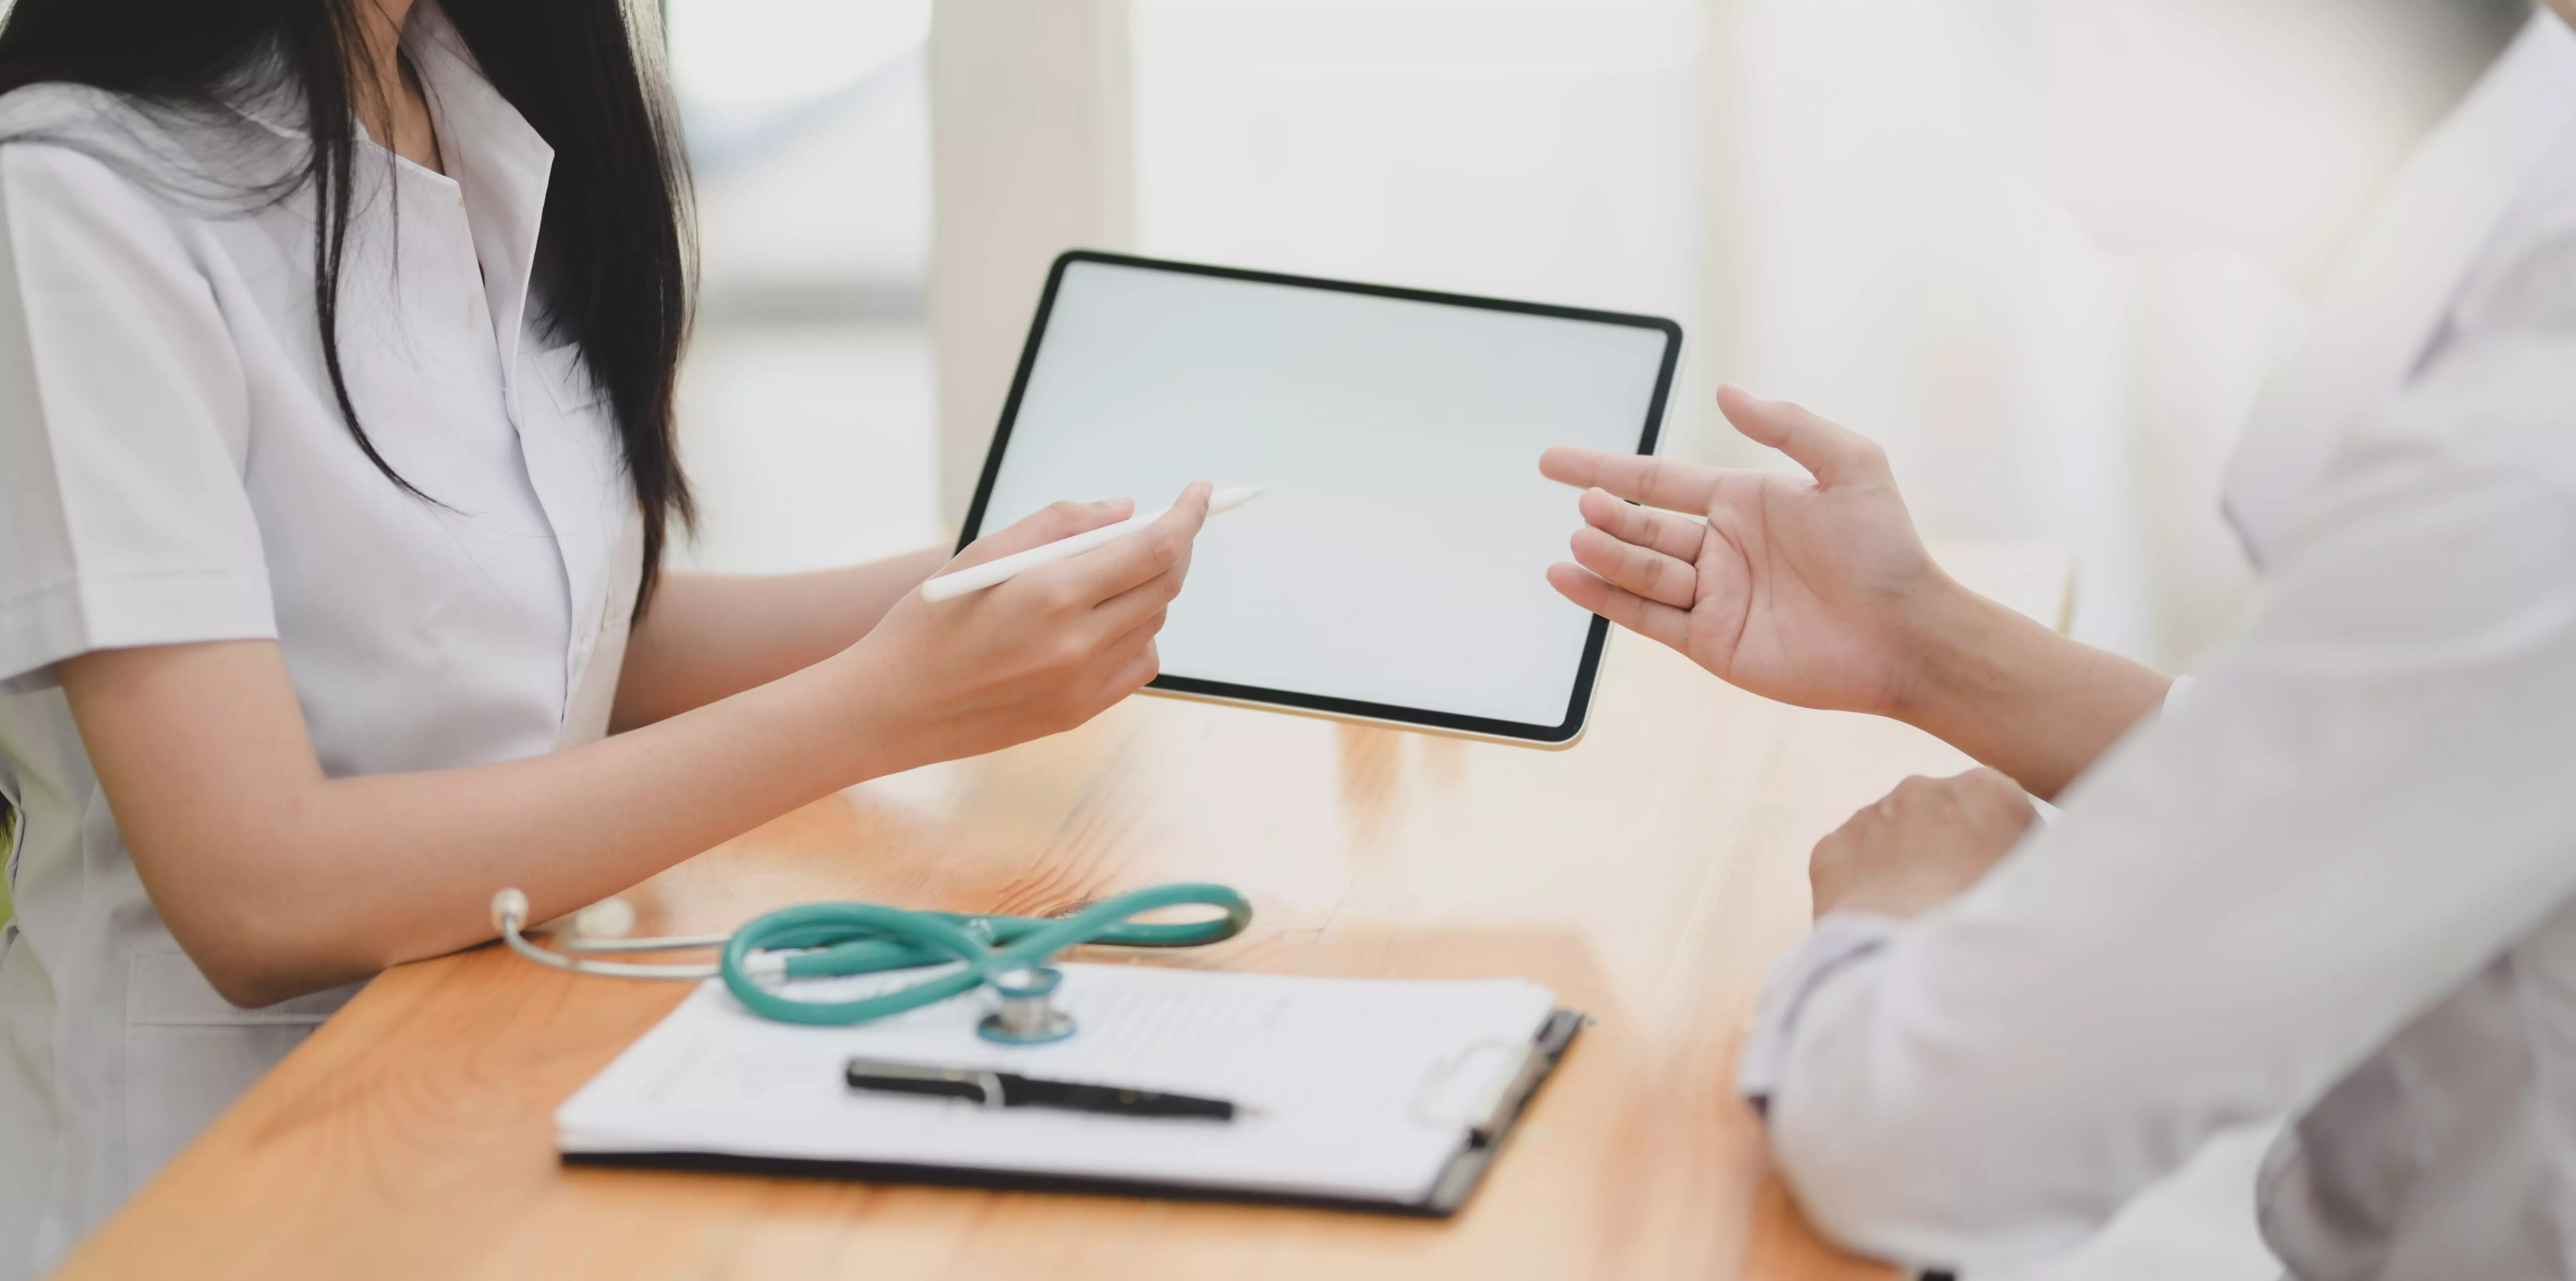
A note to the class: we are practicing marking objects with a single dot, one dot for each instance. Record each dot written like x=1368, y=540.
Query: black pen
x=1012, y=1090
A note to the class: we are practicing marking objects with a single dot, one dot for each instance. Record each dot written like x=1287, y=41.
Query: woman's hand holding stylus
x=1041, y=653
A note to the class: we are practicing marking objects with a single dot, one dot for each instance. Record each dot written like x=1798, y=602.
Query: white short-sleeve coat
x=2337, y=882
x=174, y=468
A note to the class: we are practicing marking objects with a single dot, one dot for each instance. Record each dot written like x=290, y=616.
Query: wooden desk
x=1647, y=875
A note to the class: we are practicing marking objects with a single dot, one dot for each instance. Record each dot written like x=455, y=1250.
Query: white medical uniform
x=173, y=468
x=2338, y=880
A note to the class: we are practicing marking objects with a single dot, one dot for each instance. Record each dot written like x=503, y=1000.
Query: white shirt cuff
x=1839, y=940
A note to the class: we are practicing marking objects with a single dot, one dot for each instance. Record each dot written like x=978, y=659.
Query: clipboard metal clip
x=1514, y=1067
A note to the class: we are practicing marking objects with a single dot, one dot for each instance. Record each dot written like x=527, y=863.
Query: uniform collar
x=498, y=161
x=500, y=164
x=2386, y=305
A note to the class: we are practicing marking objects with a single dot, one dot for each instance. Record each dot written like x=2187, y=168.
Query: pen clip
x=988, y=1085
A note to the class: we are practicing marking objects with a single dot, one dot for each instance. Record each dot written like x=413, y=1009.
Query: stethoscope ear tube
x=1106, y=922
x=510, y=917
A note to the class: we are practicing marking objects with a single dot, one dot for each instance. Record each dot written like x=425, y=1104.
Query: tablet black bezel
x=1578, y=705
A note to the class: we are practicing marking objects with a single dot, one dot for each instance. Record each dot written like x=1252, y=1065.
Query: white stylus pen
x=978, y=577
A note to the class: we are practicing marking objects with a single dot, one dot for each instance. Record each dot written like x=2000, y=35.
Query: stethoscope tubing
x=862, y=938
x=819, y=940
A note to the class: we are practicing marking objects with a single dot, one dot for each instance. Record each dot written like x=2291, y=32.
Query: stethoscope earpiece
x=509, y=911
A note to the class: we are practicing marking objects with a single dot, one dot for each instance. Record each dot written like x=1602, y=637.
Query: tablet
x=1396, y=569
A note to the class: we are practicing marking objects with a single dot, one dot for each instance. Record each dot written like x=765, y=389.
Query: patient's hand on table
x=1920, y=846
x=1812, y=592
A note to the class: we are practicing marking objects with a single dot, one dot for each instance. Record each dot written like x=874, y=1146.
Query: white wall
x=806, y=401
x=1803, y=184
x=1906, y=276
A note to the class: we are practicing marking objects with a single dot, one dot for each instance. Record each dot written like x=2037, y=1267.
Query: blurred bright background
x=806, y=411
x=1843, y=200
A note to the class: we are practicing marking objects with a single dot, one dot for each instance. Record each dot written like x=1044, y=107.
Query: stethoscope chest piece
x=1028, y=1015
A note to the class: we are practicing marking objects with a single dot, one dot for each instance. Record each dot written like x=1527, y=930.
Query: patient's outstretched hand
x=1815, y=592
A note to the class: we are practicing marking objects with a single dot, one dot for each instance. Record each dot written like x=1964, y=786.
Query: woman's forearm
x=573, y=827
x=710, y=636
x=277, y=879
x=2019, y=697
x=569, y=827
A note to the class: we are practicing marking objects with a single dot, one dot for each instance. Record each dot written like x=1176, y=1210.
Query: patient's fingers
x=1656, y=482
x=1832, y=453
x=1647, y=618
x=1676, y=536
x=1640, y=570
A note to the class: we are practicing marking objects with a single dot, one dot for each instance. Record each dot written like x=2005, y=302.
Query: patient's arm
x=1819, y=593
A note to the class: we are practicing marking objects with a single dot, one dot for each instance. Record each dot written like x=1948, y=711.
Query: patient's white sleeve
x=2358, y=805
x=1838, y=940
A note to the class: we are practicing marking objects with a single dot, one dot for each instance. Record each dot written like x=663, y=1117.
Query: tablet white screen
x=1400, y=554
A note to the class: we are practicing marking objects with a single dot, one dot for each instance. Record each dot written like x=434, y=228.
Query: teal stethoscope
x=1009, y=954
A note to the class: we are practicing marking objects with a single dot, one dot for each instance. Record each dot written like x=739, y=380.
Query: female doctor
x=337, y=341
x=2334, y=879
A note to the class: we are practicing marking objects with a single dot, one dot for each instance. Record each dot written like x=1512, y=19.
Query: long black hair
x=614, y=249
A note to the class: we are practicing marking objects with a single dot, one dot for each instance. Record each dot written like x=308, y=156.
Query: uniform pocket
x=189, y=1053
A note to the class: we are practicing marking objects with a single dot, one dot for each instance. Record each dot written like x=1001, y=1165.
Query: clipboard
x=614, y=1122
x=1456, y=1184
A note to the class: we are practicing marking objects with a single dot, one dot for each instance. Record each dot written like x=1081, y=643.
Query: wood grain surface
x=1647, y=875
